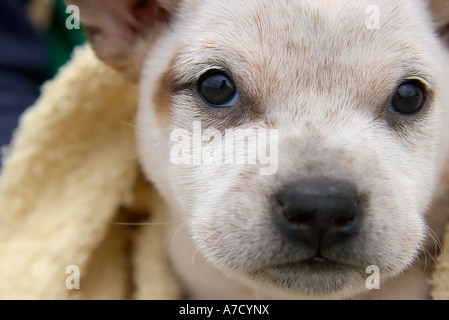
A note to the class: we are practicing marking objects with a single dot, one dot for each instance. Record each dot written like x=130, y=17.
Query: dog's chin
x=315, y=278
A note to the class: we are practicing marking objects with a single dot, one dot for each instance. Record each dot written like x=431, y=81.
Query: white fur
x=315, y=72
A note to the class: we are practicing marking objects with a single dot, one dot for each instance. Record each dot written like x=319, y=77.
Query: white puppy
x=298, y=144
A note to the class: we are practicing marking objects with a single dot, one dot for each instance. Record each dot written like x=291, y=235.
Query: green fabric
x=60, y=39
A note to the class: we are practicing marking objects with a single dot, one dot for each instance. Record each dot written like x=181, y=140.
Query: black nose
x=318, y=213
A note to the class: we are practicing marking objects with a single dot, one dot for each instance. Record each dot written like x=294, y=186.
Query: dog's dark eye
x=217, y=89
x=408, y=98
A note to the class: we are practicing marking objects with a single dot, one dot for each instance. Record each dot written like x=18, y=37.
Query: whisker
x=172, y=234
x=132, y=125
x=434, y=260
x=436, y=240
x=209, y=236
x=141, y=223
x=424, y=250
x=192, y=261
x=437, y=249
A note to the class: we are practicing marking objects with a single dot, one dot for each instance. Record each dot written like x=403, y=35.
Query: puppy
x=339, y=110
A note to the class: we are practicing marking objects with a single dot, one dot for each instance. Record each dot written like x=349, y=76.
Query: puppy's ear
x=440, y=10
x=121, y=31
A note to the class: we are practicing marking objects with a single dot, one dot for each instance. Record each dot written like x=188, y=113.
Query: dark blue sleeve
x=23, y=65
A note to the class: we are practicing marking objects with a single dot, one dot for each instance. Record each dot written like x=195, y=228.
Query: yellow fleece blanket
x=77, y=221
x=68, y=188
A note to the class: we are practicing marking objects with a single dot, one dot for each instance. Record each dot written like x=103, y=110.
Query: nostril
x=341, y=222
x=303, y=219
x=290, y=215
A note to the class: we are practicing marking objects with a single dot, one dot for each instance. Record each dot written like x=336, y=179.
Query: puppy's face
x=346, y=105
